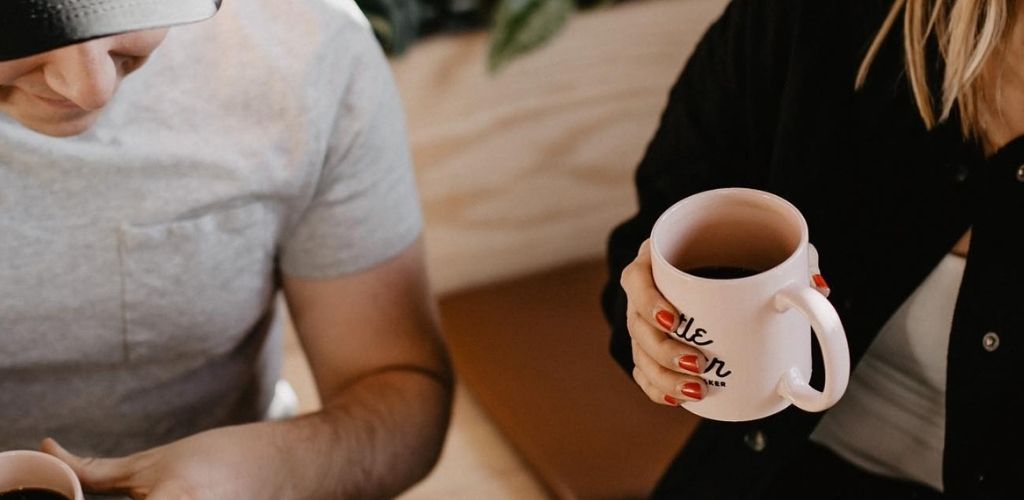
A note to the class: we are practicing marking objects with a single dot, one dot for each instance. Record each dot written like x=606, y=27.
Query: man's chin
x=60, y=128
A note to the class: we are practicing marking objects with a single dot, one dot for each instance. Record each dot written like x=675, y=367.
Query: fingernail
x=671, y=400
x=819, y=281
x=690, y=363
x=666, y=319
x=693, y=390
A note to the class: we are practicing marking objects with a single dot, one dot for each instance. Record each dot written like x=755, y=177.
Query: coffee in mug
x=33, y=475
x=32, y=494
x=722, y=272
x=737, y=265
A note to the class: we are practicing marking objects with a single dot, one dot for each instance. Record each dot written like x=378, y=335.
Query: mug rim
x=748, y=193
x=65, y=468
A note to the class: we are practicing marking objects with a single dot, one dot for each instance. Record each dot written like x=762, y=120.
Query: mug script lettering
x=683, y=332
x=684, y=328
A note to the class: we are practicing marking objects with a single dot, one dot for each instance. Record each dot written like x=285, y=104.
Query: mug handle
x=835, y=352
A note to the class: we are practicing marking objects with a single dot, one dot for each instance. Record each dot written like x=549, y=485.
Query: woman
x=158, y=186
x=896, y=129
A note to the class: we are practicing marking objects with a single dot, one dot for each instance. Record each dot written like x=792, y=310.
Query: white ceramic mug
x=32, y=469
x=755, y=330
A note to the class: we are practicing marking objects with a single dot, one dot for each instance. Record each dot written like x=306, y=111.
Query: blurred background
x=526, y=125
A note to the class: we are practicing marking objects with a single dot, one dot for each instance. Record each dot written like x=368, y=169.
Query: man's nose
x=85, y=74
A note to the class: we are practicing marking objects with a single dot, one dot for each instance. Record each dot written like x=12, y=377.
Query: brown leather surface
x=534, y=352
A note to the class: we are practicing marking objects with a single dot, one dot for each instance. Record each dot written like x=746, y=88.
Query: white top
x=892, y=419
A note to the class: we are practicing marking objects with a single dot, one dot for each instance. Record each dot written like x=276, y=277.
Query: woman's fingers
x=684, y=388
x=666, y=382
x=652, y=319
x=638, y=282
x=663, y=349
x=667, y=370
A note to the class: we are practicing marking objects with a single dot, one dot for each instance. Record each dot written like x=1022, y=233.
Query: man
x=149, y=221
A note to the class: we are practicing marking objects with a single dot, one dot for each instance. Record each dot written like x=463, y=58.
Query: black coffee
x=32, y=494
x=722, y=272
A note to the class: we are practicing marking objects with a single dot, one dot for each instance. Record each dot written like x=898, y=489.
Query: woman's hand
x=667, y=370
x=225, y=463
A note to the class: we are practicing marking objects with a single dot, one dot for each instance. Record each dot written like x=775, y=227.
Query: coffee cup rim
x=749, y=192
x=76, y=484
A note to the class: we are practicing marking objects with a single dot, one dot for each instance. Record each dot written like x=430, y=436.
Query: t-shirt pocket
x=196, y=287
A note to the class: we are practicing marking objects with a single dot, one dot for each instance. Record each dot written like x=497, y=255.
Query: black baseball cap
x=29, y=27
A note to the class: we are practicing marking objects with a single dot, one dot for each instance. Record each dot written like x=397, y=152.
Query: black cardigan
x=767, y=101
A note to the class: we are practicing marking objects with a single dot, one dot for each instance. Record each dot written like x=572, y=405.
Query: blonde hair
x=968, y=33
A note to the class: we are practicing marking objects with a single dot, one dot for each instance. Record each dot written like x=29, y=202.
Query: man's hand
x=230, y=462
x=383, y=376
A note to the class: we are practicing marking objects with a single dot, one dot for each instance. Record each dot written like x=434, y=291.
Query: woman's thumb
x=96, y=474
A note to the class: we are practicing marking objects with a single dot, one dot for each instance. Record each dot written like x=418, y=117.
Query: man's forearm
x=373, y=439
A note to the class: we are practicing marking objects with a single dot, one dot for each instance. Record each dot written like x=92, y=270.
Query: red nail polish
x=819, y=281
x=690, y=363
x=693, y=390
x=666, y=319
x=671, y=400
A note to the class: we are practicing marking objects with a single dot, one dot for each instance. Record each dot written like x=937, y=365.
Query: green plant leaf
x=523, y=25
x=395, y=22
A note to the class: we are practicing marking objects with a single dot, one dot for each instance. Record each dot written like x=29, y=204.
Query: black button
x=990, y=341
x=1020, y=173
x=755, y=440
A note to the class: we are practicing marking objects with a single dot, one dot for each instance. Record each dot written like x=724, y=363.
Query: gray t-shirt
x=139, y=261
